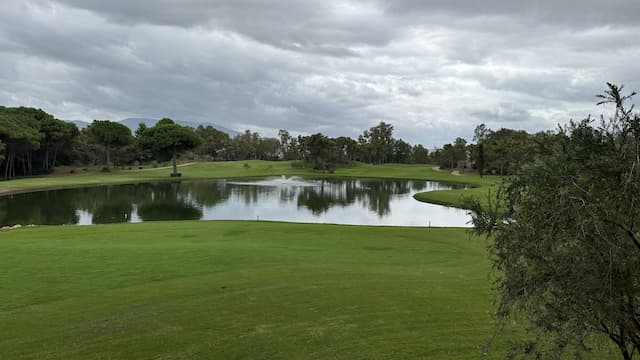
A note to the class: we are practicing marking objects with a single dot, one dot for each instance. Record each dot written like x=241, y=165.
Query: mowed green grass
x=480, y=190
x=243, y=290
x=229, y=169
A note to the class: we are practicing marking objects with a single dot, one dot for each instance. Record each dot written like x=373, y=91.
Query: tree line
x=33, y=142
x=500, y=152
x=376, y=146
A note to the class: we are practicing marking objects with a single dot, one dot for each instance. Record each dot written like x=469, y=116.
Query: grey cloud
x=574, y=13
x=504, y=113
x=435, y=69
x=313, y=26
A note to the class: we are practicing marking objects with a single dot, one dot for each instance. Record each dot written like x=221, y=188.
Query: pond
x=337, y=201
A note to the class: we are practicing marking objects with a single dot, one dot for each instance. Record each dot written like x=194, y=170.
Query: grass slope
x=264, y=168
x=203, y=290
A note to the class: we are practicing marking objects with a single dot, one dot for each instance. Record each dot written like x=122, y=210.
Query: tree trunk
x=46, y=158
x=108, y=157
x=12, y=168
x=173, y=159
x=29, y=163
x=6, y=166
x=55, y=155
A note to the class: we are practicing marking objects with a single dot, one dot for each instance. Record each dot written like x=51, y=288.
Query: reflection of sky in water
x=338, y=201
x=404, y=210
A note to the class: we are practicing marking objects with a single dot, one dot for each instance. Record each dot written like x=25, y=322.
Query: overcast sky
x=433, y=68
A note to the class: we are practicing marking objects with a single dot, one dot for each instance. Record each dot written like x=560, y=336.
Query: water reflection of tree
x=166, y=201
x=315, y=199
x=177, y=201
x=250, y=194
x=379, y=194
x=106, y=204
x=156, y=201
x=375, y=195
x=42, y=208
x=288, y=194
x=110, y=204
x=417, y=185
x=167, y=210
x=207, y=194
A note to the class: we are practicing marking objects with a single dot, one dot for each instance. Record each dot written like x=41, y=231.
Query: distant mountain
x=80, y=124
x=132, y=123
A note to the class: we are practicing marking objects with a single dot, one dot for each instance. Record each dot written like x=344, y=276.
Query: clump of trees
x=168, y=138
x=34, y=142
x=215, y=144
x=375, y=146
x=565, y=235
x=502, y=152
x=109, y=134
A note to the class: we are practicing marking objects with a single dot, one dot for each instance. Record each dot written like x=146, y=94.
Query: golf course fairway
x=254, y=290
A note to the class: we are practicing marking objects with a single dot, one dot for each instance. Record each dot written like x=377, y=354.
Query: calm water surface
x=338, y=201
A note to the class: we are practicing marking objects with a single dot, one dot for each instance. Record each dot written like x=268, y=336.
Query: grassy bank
x=478, y=188
x=202, y=290
x=261, y=168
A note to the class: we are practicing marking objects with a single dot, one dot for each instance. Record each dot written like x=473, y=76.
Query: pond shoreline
x=305, y=199
x=256, y=168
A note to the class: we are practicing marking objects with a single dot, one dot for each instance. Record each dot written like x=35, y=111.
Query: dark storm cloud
x=433, y=68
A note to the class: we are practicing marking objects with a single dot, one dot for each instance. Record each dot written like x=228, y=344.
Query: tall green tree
x=20, y=132
x=419, y=154
x=380, y=142
x=480, y=163
x=57, y=134
x=481, y=133
x=321, y=152
x=85, y=150
x=401, y=151
x=460, y=150
x=347, y=149
x=168, y=137
x=507, y=150
x=268, y=149
x=215, y=143
x=285, y=144
x=565, y=238
x=111, y=135
x=243, y=146
x=452, y=154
